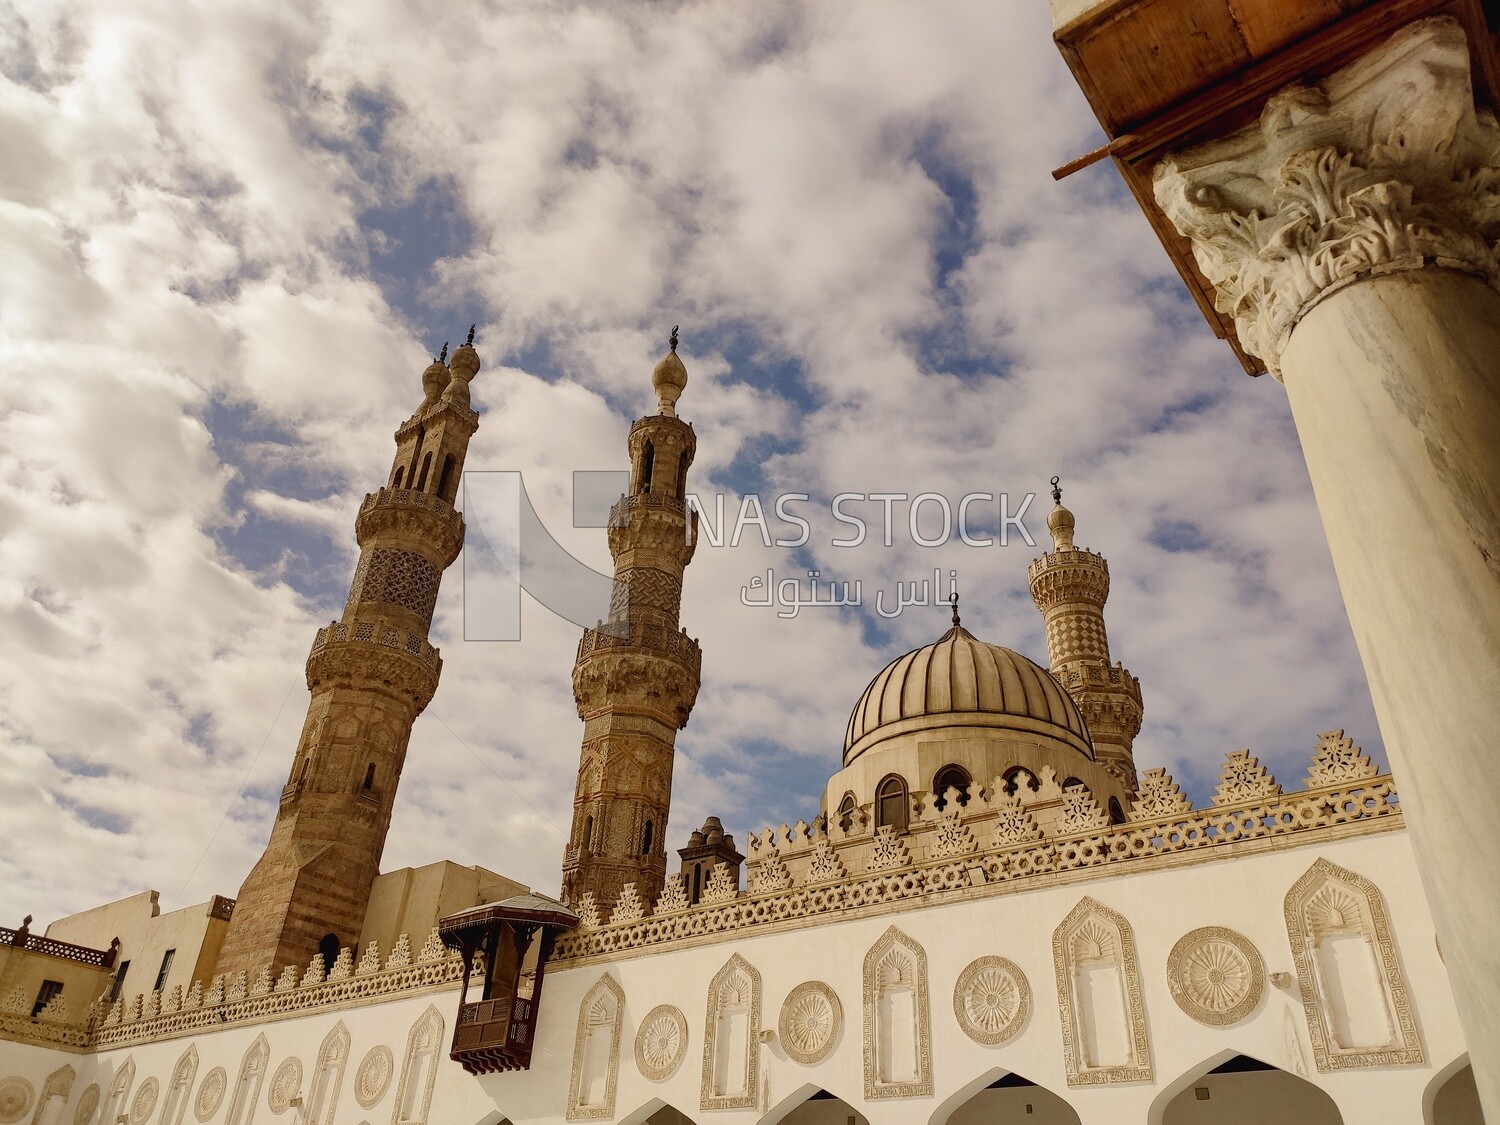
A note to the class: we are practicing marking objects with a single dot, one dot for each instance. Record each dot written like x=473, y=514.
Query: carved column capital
x=1385, y=165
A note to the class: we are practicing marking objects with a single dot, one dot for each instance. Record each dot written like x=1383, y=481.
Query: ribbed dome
x=961, y=681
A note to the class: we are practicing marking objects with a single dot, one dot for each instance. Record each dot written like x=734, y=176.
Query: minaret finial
x=443, y=355
x=469, y=340
x=672, y=340
x=953, y=601
x=669, y=377
x=1056, y=491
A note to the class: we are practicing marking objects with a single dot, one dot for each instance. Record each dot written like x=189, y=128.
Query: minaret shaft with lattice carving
x=636, y=676
x=371, y=674
x=1070, y=586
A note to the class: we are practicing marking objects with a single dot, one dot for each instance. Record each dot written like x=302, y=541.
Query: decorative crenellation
x=1385, y=165
x=1337, y=761
x=799, y=873
x=1244, y=779
x=129, y=1022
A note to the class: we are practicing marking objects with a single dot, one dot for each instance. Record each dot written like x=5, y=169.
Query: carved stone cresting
x=1159, y=797
x=992, y=1000
x=1244, y=779
x=373, y=1077
x=286, y=1084
x=419, y=1065
x=951, y=837
x=889, y=851
x=596, y=1052
x=661, y=1042
x=15, y=1099
x=1093, y=944
x=1337, y=761
x=1363, y=1016
x=731, y=1076
x=210, y=1093
x=1216, y=976
x=1385, y=165
x=898, y=1059
x=811, y=1021
x=88, y=1103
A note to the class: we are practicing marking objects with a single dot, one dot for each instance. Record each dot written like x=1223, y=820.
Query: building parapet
x=377, y=632
x=996, y=844
x=657, y=640
x=37, y=943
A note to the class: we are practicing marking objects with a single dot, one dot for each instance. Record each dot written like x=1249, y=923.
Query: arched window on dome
x=1072, y=781
x=1016, y=777
x=1116, y=813
x=951, y=776
x=846, y=812
x=892, y=803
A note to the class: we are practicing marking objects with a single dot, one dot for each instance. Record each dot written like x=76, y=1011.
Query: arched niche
x=1451, y=1098
x=1353, y=993
x=328, y=1077
x=1230, y=1088
x=596, y=1052
x=811, y=1104
x=897, y=1024
x=1002, y=1095
x=657, y=1112
x=1099, y=997
x=731, y=1038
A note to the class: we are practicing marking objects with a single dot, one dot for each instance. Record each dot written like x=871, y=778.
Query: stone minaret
x=637, y=674
x=370, y=675
x=1069, y=586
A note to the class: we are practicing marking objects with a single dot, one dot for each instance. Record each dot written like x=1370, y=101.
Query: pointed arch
x=1287, y=1097
x=418, y=1069
x=1354, y=996
x=596, y=1052
x=655, y=1112
x=1451, y=1098
x=898, y=1026
x=180, y=1088
x=978, y=1104
x=731, y=1038
x=57, y=1087
x=119, y=1090
x=1099, y=997
x=328, y=1076
x=247, y=1084
x=786, y=1110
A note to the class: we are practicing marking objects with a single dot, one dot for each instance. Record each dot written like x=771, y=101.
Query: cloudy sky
x=235, y=232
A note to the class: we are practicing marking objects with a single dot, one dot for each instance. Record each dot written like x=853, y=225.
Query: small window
x=951, y=777
x=648, y=463
x=846, y=812
x=646, y=839
x=400, y=472
x=447, y=487
x=369, y=777
x=891, y=804
x=166, y=967
x=328, y=949
x=588, y=833
x=697, y=882
x=45, y=995
x=1018, y=776
x=1072, y=781
x=119, y=981
x=682, y=468
x=1116, y=813
x=422, y=476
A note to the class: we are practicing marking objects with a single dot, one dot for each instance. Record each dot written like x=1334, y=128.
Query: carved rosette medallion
x=210, y=1093
x=88, y=1105
x=992, y=1000
x=285, y=1084
x=810, y=1023
x=1216, y=976
x=374, y=1075
x=661, y=1042
x=15, y=1099
x=145, y=1100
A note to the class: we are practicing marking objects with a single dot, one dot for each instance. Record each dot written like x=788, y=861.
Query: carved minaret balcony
x=371, y=673
x=636, y=676
x=1070, y=586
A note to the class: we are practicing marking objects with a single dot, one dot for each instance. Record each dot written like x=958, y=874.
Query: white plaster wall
x=1244, y=894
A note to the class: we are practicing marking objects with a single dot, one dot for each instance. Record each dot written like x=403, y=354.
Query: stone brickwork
x=636, y=675
x=370, y=675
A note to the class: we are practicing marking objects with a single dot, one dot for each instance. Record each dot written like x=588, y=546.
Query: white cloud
x=202, y=373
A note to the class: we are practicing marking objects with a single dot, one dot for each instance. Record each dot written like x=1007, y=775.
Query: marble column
x=1351, y=234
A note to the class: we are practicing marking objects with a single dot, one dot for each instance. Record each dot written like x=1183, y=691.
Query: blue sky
x=236, y=234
